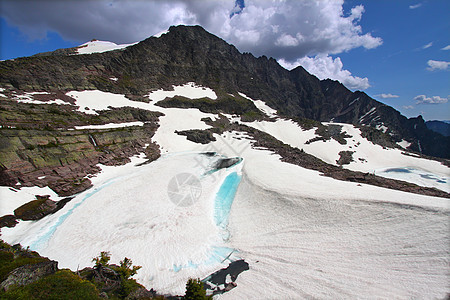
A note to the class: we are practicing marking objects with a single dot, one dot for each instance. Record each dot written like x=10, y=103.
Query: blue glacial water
x=415, y=174
x=224, y=199
x=398, y=170
x=44, y=237
x=222, y=207
x=218, y=255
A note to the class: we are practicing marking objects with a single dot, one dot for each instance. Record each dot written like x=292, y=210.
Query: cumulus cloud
x=408, y=106
x=415, y=6
x=282, y=29
x=324, y=67
x=434, y=65
x=386, y=96
x=287, y=30
x=446, y=47
x=423, y=99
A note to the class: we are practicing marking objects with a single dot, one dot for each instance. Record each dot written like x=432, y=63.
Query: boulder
x=36, y=209
x=8, y=221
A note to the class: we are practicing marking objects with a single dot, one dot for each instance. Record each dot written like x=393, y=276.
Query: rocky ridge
x=190, y=54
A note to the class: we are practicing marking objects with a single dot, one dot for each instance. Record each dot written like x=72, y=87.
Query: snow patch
x=11, y=198
x=382, y=127
x=371, y=111
x=100, y=47
x=404, y=144
x=110, y=125
x=262, y=106
x=158, y=35
x=189, y=90
x=350, y=104
x=27, y=97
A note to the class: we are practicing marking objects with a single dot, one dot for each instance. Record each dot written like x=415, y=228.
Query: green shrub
x=102, y=259
x=195, y=290
x=126, y=270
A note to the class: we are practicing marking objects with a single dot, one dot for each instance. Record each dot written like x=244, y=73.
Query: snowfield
x=367, y=157
x=304, y=235
x=131, y=214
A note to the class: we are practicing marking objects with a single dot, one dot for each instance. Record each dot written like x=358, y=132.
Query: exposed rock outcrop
x=224, y=279
x=197, y=136
x=8, y=221
x=39, y=208
x=29, y=273
x=57, y=156
x=345, y=157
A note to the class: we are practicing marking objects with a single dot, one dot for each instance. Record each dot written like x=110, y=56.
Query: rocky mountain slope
x=190, y=54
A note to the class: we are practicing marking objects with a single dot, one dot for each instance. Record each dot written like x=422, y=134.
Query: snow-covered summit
x=96, y=46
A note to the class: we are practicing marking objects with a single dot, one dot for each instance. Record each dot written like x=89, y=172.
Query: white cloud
x=446, y=47
x=437, y=65
x=408, y=106
x=415, y=6
x=386, y=96
x=286, y=30
x=282, y=29
x=423, y=99
x=287, y=40
x=427, y=45
x=324, y=66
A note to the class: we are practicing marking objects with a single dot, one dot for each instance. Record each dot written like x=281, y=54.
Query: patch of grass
x=306, y=124
x=61, y=285
x=250, y=116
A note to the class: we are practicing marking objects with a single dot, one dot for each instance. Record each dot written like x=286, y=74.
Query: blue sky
x=392, y=50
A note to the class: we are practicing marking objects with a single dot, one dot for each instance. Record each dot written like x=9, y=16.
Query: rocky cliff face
x=189, y=53
x=39, y=146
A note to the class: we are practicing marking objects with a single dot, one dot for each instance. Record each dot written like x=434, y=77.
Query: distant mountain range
x=442, y=127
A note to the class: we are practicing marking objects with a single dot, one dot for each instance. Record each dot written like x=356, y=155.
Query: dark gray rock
x=345, y=157
x=218, y=279
x=8, y=221
x=197, y=135
x=226, y=162
x=141, y=293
